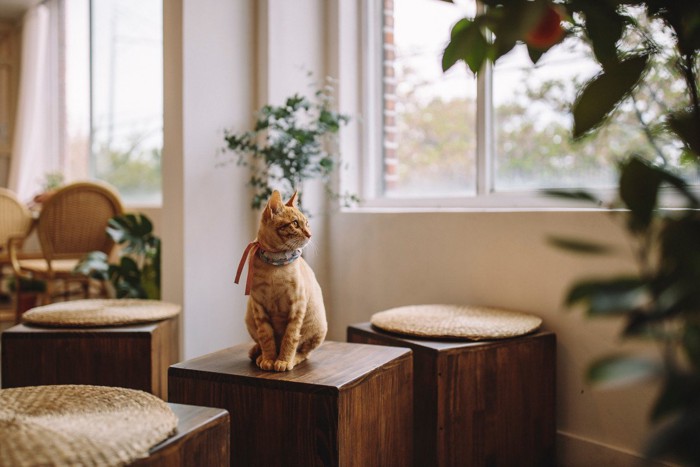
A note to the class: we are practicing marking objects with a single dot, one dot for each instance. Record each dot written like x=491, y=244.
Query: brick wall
x=389, y=99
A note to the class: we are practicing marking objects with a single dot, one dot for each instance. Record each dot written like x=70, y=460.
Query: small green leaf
x=639, y=188
x=604, y=92
x=579, y=246
x=609, y=297
x=618, y=370
x=534, y=54
x=577, y=195
x=467, y=43
x=95, y=264
x=604, y=26
x=686, y=125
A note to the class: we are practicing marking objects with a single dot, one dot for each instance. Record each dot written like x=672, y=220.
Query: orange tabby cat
x=285, y=315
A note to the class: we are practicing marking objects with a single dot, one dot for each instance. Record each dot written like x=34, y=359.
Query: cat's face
x=283, y=227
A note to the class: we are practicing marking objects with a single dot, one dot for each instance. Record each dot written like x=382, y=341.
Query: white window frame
x=354, y=31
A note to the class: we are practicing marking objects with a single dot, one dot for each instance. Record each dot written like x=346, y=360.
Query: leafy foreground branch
x=662, y=302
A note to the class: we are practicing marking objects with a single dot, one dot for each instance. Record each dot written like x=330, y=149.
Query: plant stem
x=688, y=70
x=647, y=131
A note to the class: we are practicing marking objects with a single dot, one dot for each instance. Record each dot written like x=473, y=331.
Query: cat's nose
x=307, y=234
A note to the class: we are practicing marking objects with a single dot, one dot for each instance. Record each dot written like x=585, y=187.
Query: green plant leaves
x=575, y=195
x=603, y=93
x=604, y=27
x=579, y=246
x=686, y=125
x=95, y=264
x=467, y=43
x=137, y=274
x=609, y=297
x=291, y=143
x=508, y=21
x=618, y=370
x=639, y=188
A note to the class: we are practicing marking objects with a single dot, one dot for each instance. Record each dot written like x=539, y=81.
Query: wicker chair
x=15, y=223
x=72, y=223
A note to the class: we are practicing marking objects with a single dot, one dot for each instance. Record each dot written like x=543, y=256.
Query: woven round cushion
x=80, y=425
x=456, y=322
x=100, y=312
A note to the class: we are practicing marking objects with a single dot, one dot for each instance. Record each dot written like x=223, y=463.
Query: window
x=456, y=139
x=114, y=95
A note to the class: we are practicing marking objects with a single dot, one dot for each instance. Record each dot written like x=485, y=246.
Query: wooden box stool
x=133, y=356
x=349, y=404
x=99, y=425
x=202, y=438
x=489, y=403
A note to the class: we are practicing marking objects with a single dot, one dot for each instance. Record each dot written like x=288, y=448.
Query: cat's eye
x=295, y=224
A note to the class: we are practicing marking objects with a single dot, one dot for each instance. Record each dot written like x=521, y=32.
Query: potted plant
x=136, y=274
x=662, y=302
x=290, y=144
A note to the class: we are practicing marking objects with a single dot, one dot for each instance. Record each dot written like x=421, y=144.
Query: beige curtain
x=37, y=136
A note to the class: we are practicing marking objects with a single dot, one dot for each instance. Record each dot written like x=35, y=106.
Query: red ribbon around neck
x=248, y=253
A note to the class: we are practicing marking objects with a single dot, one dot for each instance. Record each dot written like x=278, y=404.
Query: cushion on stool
x=100, y=312
x=456, y=322
x=80, y=425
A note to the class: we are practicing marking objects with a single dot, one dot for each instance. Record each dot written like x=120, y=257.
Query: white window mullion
x=485, y=157
x=372, y=90
x=484, y=133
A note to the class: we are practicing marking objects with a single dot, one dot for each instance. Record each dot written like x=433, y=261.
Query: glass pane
x=77, y=88
x=533, y=120
x=127, y=99
x=429, y=116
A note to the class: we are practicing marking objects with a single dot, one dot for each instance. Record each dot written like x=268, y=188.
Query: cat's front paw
x=283, y=365
x=265, y=363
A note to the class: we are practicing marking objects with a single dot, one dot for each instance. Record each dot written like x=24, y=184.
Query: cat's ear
x=274, y=205
x=292, y=203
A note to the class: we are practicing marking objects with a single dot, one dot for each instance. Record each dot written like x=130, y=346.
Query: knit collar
x=275, y=258
x=280, y=258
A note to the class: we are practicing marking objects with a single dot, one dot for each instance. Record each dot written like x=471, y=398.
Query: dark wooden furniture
x=135, y=357
x=202, y=439
x=348, y=405
x=479, y=404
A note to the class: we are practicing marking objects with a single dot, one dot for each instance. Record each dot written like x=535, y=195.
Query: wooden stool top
x=334, y=366
x=434, y=344
x=100, y=312
x=467, y=322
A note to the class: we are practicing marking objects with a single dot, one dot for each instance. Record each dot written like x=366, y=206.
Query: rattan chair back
x=73, y=220
x=15, y=219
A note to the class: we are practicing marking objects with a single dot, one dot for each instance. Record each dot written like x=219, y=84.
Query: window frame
x=355, y=31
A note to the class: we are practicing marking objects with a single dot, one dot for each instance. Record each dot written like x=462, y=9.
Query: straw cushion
x=100, y=312
x=456, y=322
x=80, y=425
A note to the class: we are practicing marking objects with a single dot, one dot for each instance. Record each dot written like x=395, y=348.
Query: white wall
x=501, y=259
x=223, y=59
x=206, y=222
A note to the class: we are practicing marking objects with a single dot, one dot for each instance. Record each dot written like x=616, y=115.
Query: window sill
x=524, y=201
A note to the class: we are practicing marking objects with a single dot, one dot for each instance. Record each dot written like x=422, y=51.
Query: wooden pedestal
x=135, y=357
x=202, y=439
x=479, y=404
x=348, y=405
